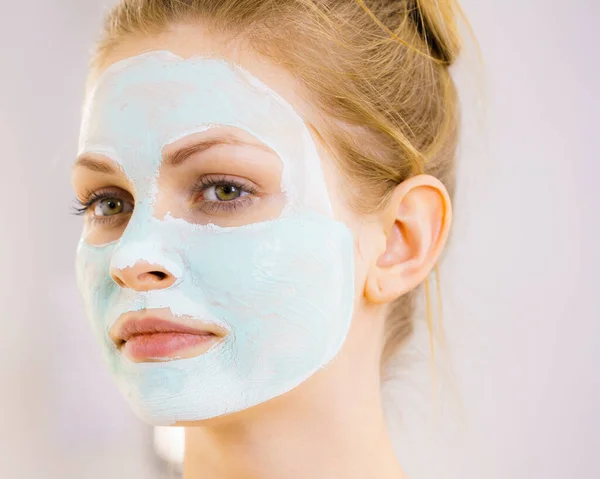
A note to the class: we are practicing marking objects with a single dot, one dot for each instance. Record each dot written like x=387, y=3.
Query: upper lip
x=150, y=322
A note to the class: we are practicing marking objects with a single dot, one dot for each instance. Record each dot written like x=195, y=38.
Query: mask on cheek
x=281, y=288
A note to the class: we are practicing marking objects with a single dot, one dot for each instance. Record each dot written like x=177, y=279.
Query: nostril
x=159, y=274
x=141, y=277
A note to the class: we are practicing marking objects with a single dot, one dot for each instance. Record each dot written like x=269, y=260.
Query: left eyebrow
x=183, y=154
x=95, y=165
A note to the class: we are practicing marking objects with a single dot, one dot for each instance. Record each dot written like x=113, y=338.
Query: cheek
x=335, y=183
x=343, y=212
x=96, y=286
x=288, y=271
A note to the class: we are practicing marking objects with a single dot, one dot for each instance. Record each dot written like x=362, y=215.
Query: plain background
x=522, y=307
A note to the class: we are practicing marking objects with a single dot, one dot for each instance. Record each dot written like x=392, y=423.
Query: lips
x=145, y=337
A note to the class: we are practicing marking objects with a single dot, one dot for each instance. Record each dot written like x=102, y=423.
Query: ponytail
x=436, y=23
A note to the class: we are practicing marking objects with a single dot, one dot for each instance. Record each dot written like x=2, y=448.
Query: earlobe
x=416, y=222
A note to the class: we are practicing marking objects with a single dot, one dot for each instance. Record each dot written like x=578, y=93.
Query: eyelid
x=203, y=182
x=112, y=197
x=94, y=195
x=216, y=207
x=85, y=206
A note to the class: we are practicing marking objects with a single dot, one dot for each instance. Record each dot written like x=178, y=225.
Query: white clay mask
x=282, y=286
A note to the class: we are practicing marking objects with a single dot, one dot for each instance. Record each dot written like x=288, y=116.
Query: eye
x=109, y=207
x=103, y=206
x=223, y=192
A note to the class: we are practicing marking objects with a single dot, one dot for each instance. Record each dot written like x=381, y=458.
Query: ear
x=415, y=223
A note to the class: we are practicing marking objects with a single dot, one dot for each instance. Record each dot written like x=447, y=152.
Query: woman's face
x=218, y=260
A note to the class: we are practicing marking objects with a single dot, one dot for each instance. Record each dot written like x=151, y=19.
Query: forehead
x=189, y=40
x=157, y=97
x=194, y=40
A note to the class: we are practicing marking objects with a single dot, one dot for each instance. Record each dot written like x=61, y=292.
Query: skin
x=332, y=425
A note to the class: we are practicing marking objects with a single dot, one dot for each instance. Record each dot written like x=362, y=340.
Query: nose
x=143, y=276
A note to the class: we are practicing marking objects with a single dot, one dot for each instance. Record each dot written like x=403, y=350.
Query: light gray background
x=522, y=310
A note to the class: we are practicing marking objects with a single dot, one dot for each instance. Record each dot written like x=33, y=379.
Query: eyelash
x=81, y=207
x=91, y=197
x=212, y=207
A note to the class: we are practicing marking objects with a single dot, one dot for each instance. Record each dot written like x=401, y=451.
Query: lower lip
x=167, y=346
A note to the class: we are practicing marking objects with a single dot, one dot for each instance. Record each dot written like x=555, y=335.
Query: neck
x=298, y=435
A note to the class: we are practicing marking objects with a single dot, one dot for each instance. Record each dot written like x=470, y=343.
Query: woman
x=265, y=185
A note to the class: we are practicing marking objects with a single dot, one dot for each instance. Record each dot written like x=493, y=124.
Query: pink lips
x=150, y=338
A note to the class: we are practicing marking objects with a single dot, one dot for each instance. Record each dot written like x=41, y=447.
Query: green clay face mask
x=281, y=287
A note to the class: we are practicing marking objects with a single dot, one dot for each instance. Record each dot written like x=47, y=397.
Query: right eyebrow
x=95, y=165
x=179, y=156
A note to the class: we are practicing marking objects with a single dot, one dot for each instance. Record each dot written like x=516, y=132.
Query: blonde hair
x=378, y=71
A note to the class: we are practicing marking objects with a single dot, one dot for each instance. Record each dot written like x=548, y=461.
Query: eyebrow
x=183, y=154
x=95, y=165
x=173, y=159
